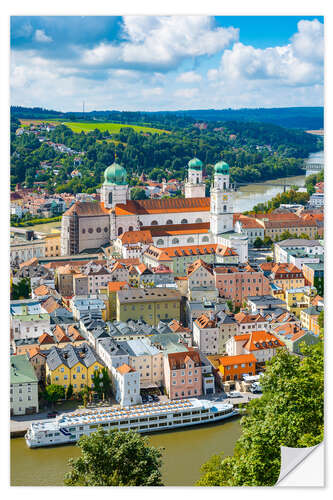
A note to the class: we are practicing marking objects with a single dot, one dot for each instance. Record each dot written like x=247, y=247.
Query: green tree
x=69, y=392
x=258, y=243
x=53, y=393
x=102, y=382
x=115, y=458
x=138, y=194
x=21, y=290
x=289, y=413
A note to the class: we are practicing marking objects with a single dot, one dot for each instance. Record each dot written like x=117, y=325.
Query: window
x=169, y=221
x=90, y=230
x=98, y=230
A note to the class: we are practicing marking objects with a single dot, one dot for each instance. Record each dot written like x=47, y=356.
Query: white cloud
x=155, y=91
x=298, y=63
x=187, y=93
x=162, y=42
x=189, y=77
x=40, y=36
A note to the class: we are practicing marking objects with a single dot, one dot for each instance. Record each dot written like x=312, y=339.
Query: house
x=251, y=227
x=293, y=336
x=126, y=382
x=236, y=283
x=261, y=302
x=73, y=365
x=235, y=367
x=23, y=386
x=249, y=322
x=206, y=334
x=147, y=360
x=37, y=359
x=309, y=318
x=310, y=247
x=194, y=309
x=148, y=304
x=183, y=374
x=284, y=276
x=261, y=344
x=201, y=281
x=112, y=289
x=297, y=299
x=276, y=224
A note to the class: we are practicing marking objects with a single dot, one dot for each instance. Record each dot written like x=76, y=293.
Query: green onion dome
x=221, y=168
x=115, y=174
x=195, y=164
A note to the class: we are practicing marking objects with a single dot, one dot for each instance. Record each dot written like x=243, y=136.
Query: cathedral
x=195, y=219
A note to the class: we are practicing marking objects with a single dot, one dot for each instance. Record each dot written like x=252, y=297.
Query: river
x=185, y=451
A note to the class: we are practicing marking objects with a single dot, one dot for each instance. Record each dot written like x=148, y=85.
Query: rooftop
x=21, y=370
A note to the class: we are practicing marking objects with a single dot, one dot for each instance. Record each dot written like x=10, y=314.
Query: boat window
x=204, y=411
x=81, y=428
x=143, y=426
x=93, y=426
x=152, y=418
x=153, y=425
x=125, y=429
x=132, y=421
x=162, y=424
x=177, y=415
x=186, y=420
x=143, y=419
x=72, y=429
x=196, y=412
x=195, y=419
x=162, y=417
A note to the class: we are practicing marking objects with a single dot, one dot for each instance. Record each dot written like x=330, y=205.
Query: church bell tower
x=221, y=202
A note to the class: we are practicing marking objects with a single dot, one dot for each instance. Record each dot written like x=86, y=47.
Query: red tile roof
x=259, y=340
x=87, y=208
x=236, y=360
x=162, y=206
x=125, y=369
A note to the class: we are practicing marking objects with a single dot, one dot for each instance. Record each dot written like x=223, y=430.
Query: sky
x=166, y=62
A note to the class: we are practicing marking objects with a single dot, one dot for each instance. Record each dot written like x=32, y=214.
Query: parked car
x=144, y=399
x=52, y=414
x=256, y=388
x=150, y=399
x=234, y=394
x=155, y=398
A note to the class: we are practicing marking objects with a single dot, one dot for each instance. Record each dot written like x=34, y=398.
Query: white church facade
x=195, y=219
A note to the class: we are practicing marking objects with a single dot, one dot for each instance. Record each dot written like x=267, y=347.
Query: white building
x=261, y=344
x=206, y=334
x=23, y=386
x=194, y=187
x=283, y=248
x=126, y=382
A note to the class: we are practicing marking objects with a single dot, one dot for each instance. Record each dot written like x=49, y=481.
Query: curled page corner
x=291, y=458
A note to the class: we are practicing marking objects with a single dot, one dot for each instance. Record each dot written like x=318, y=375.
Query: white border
x=148, y=7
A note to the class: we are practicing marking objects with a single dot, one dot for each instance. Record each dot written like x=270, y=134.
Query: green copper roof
x=195, y=164
x=221, y=168
x=21, y=370
x=115, y=174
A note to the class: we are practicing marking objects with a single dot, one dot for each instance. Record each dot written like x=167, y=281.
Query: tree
x=69, y=392
x=115, y=458
x=289, y=413
x=53, y=393
x=138, y=194
x=102, y=382
x=258, y=243
x=21, y=290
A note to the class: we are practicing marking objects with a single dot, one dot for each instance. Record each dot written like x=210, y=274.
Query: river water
x=184, y=452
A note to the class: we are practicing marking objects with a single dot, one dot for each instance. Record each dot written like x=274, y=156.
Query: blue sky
x=166, y=62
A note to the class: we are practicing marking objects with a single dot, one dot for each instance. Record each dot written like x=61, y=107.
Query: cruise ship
x=69, y=427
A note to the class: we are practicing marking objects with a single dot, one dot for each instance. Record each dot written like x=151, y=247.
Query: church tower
x=221, y=206
x=194, y=187
x=115, y=188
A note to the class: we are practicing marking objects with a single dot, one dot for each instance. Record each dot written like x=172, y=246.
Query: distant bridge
x=313, y=167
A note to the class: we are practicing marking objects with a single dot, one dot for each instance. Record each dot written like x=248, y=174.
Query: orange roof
x=178, y=229
x=45, y=338
x=60, y=335
x=41, y=290
x=176, y=359
x=34, y=351
x=225, y=251
x=87, y=208
x=317, y=299
x=177, y=327
x=290, y=329
x=30, y=262
x=162, y=206
x=74, y=333
x=258, y=340
x=243, y=317
x=125, y=369
x=285, y=268
x=204, y=321
x=50, y=305
x=132, y=237
x=196, y=265
x=157, y=253
x=114, y=286
x=235, y=360
x=249, y=222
